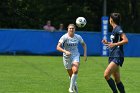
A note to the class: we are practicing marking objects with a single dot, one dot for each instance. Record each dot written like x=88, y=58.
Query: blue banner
x=28, y=41
x=104, y=34
x=42, y=42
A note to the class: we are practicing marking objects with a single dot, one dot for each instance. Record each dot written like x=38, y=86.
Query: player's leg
x=111, y=68
x=75, y=66
x=74, y=69
x=70, y=76
x=75, y=86
x=69, y=72
x=68, y=66
x=119, y=84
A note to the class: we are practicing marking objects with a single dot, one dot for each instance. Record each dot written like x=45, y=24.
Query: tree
x=33, y=14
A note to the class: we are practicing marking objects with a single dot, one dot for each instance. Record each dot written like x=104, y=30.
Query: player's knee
x=75, y=72
x=75, y=69
x=117, y=80
x=106, y=76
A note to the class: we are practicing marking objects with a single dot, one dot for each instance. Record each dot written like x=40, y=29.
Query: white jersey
x=71, y=44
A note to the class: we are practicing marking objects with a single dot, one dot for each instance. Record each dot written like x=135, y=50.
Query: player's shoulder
x=64, y=36
x=77, y=35
x=118, y=29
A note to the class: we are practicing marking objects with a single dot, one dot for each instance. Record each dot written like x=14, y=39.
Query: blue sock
x=112, y=85
x=120, y=87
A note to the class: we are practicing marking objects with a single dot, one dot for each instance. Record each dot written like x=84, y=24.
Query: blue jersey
x=115, y=37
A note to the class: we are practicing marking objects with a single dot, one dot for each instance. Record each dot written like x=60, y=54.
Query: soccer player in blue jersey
x=68, y=44
x=116, y=54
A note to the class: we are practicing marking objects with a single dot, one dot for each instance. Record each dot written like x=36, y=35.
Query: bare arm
x=124, y=41
x=85, y=51
x=59, y=48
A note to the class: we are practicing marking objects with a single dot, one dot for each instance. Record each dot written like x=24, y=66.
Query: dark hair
x=116, y=17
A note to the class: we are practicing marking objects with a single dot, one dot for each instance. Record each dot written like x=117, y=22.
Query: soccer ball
x=81, y=22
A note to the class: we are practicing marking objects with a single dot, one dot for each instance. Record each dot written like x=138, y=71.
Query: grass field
x=45, y=74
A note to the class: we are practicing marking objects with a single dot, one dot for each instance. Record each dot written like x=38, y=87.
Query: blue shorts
x=117, y=60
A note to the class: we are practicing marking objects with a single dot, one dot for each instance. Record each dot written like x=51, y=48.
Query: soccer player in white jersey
x=68, y=44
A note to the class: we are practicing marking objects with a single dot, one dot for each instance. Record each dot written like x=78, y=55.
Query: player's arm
x=104, y=41
x=59, y=48
x=122, y=42
x=85, y=50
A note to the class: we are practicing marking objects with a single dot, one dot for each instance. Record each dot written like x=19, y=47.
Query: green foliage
x=33, y=14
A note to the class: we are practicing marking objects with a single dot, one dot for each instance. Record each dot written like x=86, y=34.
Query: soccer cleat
x=70, y=90
x=75, y=88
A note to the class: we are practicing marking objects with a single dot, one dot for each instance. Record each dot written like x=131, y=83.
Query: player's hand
x=85, y=58
x=67, y=53
x=104, y=41
x=111, y=45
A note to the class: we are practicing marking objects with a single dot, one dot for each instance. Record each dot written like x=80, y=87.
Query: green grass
x=45, y=74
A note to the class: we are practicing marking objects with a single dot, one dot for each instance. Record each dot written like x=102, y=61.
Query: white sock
x=73, y=80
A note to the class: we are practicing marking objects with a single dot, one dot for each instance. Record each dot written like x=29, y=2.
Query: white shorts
x=68, y=60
